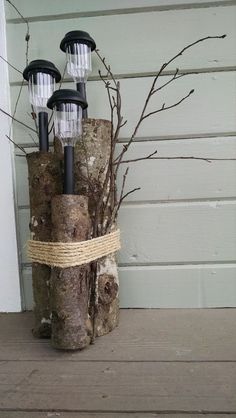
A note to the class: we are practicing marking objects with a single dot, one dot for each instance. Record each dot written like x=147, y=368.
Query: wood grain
x=25, y=414
x=160, y=335
x=138, y=386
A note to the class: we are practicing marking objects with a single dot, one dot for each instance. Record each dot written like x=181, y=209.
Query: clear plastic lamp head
x=67, y=108
x=42, y=77
x=78, y=46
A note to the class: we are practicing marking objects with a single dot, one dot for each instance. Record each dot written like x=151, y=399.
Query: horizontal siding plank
x=202, y=286
x=43, y=8
x=143, y=386
x=156, y=335
x=152, y=47
x=178, y=286
x=170, y=233
x=212, y=112
x=168, y=179
x=178, y=232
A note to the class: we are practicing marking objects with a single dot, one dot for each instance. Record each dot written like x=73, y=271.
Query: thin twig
x=207, y=159
x=27, y=35
x=152, y=89
x=18, y=121
x=50, y=129
x=164, y=107
x=34, y=117
x=31, y=136
x=16, y=145
x=175, y=77
x=128, y=193
x=10, y=65
x=16, y=104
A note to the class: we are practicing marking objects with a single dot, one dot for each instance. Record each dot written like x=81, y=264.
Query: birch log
x=92, y=155
x=44, y=174
x=71, y=325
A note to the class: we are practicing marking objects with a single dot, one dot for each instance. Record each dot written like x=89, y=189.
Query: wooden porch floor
x=158, y=363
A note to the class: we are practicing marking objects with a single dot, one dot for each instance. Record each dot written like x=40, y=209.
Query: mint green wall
x=178, y=231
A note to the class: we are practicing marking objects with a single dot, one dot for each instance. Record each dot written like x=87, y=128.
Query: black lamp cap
x=42, y=66
x=66, y=96
x=78, y=36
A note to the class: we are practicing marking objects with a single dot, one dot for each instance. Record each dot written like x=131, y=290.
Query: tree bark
x=71, y=324
x=92, y=155
x=45, y=181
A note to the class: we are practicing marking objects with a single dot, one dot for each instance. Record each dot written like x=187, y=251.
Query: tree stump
x=71, y=324
x=44, y=174
x=92, y=155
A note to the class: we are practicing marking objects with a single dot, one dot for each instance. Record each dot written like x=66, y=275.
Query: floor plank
x=153, y=335
x=114, y=387
x=157, y=363
x=24, y=414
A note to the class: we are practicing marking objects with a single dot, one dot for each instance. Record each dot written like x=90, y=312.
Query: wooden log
x=92, y=155
x=45, y=181
x=71, y=325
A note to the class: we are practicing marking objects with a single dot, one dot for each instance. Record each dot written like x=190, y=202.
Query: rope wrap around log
x=70, y=254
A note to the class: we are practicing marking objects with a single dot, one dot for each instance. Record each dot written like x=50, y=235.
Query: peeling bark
x=44, y=173
x=71, y=324
x=92, y=155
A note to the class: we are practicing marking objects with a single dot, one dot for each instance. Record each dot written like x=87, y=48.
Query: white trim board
x=10, y=300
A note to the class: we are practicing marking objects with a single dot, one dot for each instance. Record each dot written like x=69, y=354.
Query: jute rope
x=70, y=254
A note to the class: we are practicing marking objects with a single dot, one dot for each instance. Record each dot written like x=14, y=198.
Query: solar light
x=78, y=46
x=42, y=77
x=67, y=108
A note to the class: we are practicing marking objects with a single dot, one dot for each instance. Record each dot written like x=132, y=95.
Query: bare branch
x=50, y=129
x=175, y=77
x=10, y=65
x=18, y=121
x=128, y=193
x=147, y=157
x=31, y=136
x=16, y=104
x=16, y=145
x=164, y=107
x=34, y=117
x=152, y=90
x=27, y=35
x=207, y=159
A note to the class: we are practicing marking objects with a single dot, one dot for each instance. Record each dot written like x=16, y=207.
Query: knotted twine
x=70, y=254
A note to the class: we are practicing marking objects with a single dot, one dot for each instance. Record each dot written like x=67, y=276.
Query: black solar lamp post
x=78, y=46
x=67, y=106
x=42, y=77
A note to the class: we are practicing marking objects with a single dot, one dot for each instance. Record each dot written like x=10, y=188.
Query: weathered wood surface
x=91, y=161
x=92, y=156
x=133, y=386
x=18, y=414
x=69, y=287
x=154, y=335
x=44, y=182
x=163, y=363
